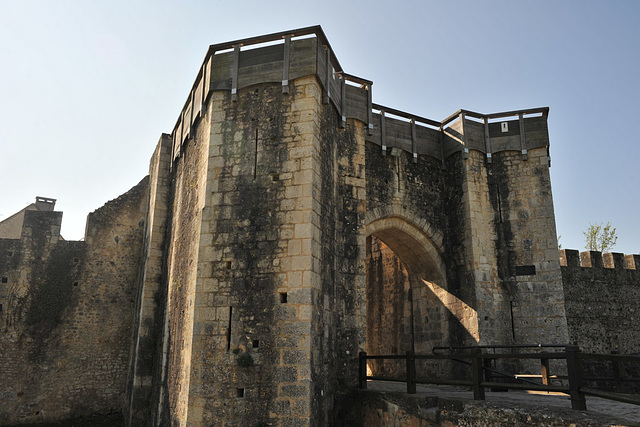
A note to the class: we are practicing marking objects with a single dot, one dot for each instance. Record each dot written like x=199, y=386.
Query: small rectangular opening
x=240, y=392
x=256, y=343
x=75, y=283
x=525, y=270
x=283, y=297
x=5, y=280
x=228, y=265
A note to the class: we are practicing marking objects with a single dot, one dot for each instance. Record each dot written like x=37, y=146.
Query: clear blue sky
x=87, y=87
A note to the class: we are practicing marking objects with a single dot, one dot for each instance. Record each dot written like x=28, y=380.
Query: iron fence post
x=362, y=370
x=574, y=369
x=617, y=373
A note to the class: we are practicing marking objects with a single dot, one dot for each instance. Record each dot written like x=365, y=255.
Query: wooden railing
x=575, y=383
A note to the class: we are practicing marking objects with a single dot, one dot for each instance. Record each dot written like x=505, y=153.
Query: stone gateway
x=287, y=223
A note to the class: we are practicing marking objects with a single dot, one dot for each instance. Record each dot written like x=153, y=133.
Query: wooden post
x=362, y=370
x=578, y=401
x=544, y=370
x=411, y=372
x=617, y=373
x=327, y=80
x=477, y=373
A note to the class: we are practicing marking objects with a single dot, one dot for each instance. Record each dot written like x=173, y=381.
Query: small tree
x=600, y=238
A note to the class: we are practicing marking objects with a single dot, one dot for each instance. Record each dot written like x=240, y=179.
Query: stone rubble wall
x=67, y=315
x=602, y=299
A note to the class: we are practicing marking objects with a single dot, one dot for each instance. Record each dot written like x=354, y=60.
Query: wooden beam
x=316, y=30
x=407, y=115
x=356, y=79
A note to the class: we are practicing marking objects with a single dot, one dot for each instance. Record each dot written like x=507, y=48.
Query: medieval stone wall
x=67, y=313
x=602, y=299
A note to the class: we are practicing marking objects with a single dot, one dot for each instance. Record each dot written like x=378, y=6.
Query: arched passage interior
x=409, y=306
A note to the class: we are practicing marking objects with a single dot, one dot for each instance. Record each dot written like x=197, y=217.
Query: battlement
x=595, y=259
x=285, y=56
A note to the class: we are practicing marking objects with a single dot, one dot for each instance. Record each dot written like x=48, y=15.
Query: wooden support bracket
x=369, y=110
x=327, y=80
x=234, y=73
x=487, y=139
x=523, y=137
x=413, y=141
x=285, y=64
x=441, y=140
x=343, y=103
x=465, y=150
x=383, y=134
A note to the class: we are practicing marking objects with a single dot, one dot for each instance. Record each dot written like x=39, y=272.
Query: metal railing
x=575, y=383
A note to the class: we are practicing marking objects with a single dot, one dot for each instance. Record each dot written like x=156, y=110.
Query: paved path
x=543, y=399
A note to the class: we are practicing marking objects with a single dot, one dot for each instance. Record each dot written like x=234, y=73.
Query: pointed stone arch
x=419, y=247
x=405, y=273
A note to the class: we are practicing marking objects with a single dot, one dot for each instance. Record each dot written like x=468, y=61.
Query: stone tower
x=292, y=223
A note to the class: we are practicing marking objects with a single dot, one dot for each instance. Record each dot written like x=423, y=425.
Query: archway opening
x=408, y=305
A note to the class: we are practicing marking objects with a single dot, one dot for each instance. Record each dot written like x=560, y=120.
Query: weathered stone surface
x=67, y=313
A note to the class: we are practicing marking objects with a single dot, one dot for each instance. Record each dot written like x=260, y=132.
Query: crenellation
x=599, y=260
x=632, y=262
